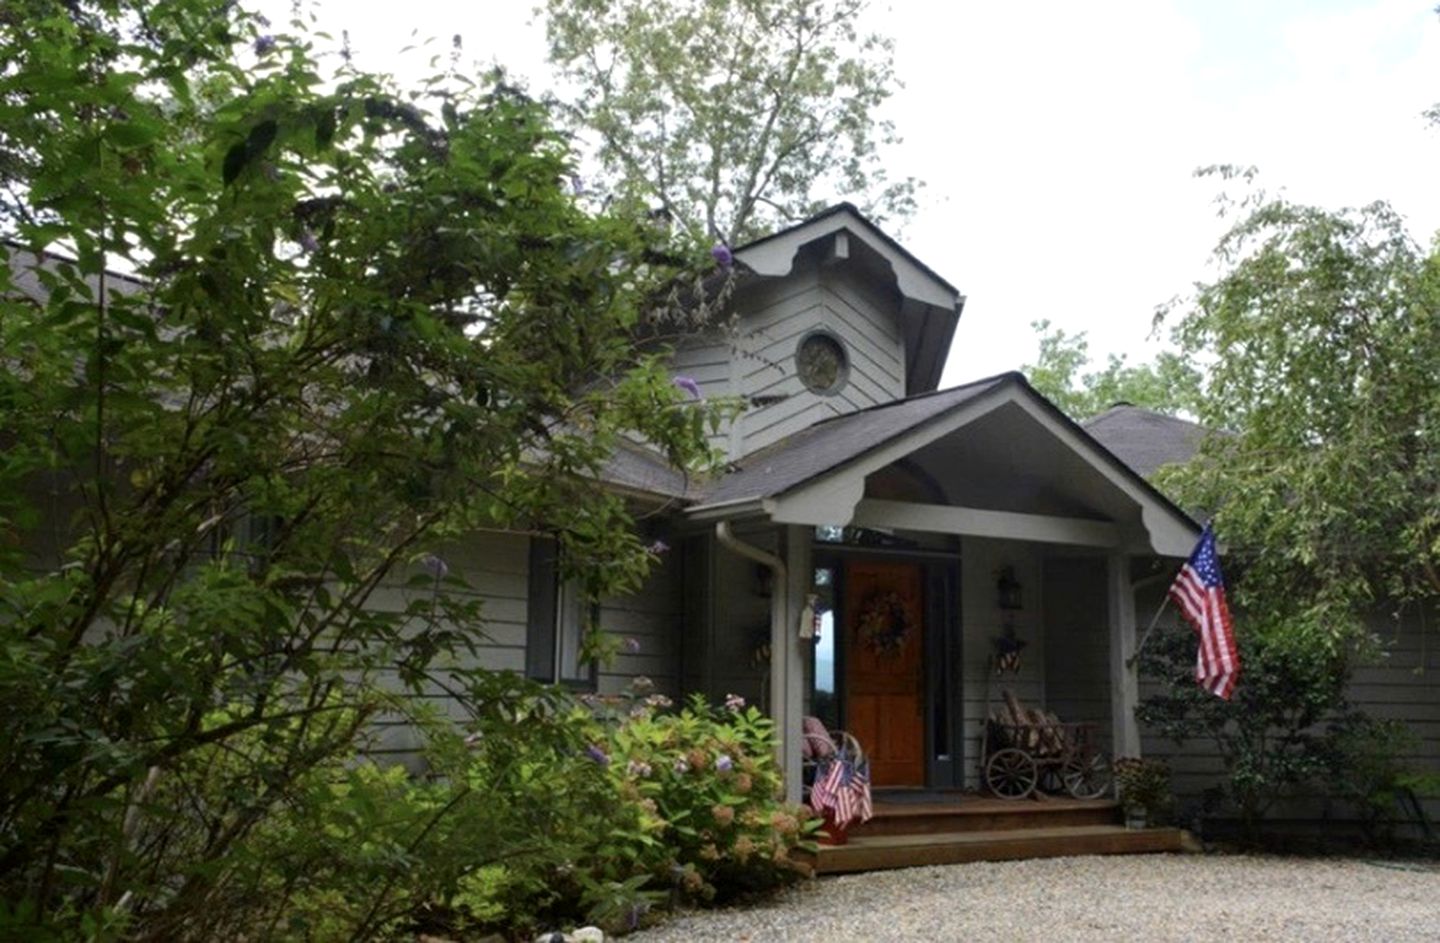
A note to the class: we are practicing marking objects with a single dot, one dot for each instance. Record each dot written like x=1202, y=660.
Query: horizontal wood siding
x=709, y=360
x=774, y=326
x=495, y=565
x=982, y=621
x=756, y=358
x=654, y=618
x=1077, y=642
x=742, y=621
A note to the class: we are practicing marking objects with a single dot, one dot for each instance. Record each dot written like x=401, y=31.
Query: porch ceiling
x=1006, y=461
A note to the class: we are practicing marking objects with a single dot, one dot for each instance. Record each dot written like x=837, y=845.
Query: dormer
x=831, y=316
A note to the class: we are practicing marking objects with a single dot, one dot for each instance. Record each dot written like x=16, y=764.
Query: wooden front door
x=884, y=677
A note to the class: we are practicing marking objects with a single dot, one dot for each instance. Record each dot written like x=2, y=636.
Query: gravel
x=1142, y=897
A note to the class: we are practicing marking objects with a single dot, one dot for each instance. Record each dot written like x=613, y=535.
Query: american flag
x=1199, y=592
x=843, y=786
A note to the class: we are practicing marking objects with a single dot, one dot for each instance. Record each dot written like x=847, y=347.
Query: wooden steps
x=983, y=814
x=951, y=829
x=881, y=852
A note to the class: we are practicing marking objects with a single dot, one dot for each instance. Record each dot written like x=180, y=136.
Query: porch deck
x=915, y=829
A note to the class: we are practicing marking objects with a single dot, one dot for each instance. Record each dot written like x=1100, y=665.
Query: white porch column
x=787, y=658
x=1124, y=679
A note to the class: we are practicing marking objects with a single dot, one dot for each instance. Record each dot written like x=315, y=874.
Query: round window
x=821, y=362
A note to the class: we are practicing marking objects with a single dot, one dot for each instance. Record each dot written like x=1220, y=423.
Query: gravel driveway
x=1057, y=900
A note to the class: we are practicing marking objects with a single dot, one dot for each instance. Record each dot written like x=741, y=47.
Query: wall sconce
x=1007, y=588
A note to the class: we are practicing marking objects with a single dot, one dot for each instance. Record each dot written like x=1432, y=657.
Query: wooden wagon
x=1027, y=750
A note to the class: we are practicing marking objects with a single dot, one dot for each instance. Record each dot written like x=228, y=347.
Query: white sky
x=1058, y=139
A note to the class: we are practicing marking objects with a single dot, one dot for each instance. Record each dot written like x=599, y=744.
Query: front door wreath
x=884, y=623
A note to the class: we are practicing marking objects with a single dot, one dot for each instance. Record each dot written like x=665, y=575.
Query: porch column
x=1124, y=679
x=787, y=658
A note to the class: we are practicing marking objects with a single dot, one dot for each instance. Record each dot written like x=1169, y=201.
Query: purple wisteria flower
x=308, y=242
x=734, y=702
x=658, y=547
x=631, y=645
x=722, y=255
x=723, y=764
x=689, y=385
x=435, y=566
x=598, y=755
x=264, y=45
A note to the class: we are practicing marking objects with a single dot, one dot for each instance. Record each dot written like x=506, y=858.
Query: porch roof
x=830, y=443
x=1042, y=462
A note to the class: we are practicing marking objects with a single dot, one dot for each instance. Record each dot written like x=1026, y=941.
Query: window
x=821, y=362
x=555, y=624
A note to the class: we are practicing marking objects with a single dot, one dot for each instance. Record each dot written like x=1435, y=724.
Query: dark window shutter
x=540, y=617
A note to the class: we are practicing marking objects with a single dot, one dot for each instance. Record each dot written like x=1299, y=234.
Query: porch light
x=1008, y=588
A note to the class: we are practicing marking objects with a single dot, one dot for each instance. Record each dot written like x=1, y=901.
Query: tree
x=1324, y=337
x=362, y=322
x=731, y=117
x=1169, y=385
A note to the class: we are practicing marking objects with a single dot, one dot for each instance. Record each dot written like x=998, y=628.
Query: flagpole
x=1130, y=662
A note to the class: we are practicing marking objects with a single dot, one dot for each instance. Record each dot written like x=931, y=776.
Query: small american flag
x=843, y=787
x=1199, y=592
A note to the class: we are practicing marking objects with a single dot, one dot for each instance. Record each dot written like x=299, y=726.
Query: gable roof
x=929, y=306
x=1144, y=439
x=831, y=219
x=828, y=461
x=831, y=443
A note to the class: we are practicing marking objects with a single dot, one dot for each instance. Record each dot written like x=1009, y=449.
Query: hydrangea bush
x=710, y=791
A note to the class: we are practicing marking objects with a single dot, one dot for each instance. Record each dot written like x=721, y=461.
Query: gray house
x=876, y=544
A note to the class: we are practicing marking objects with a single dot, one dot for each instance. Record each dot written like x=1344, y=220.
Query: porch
x=892, y=572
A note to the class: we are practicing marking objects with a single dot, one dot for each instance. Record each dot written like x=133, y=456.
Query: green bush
x=711, y=791
x=1270, y=735
x=548, y=811
x=1365, y=768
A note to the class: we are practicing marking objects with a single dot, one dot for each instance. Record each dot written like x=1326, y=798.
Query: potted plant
x=1144, y=789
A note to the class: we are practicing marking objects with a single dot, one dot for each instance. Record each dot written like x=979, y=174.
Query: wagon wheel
x=1087, y=777
x=1011, y=773
x=1051, y=781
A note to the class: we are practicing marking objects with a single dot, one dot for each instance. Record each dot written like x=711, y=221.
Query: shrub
x=593, y=810
x=1269, y=736
x=1365, y=769
x=708, y=783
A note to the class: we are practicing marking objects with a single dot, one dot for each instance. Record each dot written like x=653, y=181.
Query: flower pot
x=833, y=833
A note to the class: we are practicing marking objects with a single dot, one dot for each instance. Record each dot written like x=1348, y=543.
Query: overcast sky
x=1058, y=140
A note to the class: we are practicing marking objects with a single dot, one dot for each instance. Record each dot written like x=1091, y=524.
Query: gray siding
x=742, y=621
x=654, y=617
x=982, y=620
x=758, y=358
x=496, y=565
x=1077, y=642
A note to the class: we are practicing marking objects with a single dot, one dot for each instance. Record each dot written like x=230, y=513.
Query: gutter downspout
x=779, y=630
